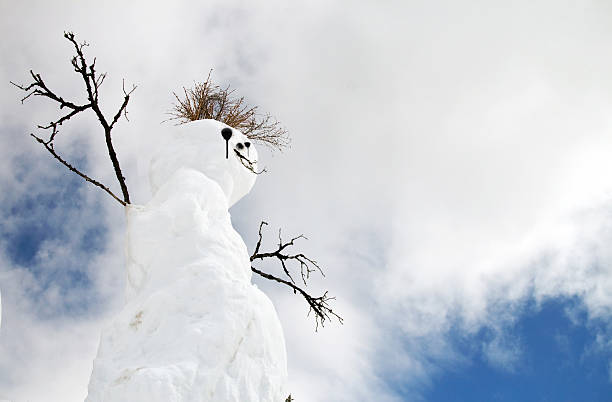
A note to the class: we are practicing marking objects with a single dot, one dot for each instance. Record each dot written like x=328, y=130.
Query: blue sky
x=449, y=165
x=560, y=361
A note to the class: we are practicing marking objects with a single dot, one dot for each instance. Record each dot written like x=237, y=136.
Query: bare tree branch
x=319, y=305
x=40, y=89
x=49, y=146
x=92, y=82
x=123, y=108
x=307, y=265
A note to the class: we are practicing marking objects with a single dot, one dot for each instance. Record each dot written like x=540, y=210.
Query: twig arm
x=93, y=81
x=319, y=305
x=49, y=146
x=92, y=85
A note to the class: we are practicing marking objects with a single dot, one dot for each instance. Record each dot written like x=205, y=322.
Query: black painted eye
x=226, y=133
x=247, y=144
x=239, y=146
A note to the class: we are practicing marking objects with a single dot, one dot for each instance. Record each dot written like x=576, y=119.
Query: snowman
x=194, y=327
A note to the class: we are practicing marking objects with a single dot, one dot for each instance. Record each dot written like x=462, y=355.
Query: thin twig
x=248, y=164
x=319, y=305
x=49, y=147
x=307, y=265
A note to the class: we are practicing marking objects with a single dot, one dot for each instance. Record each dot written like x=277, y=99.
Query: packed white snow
x=194, y=328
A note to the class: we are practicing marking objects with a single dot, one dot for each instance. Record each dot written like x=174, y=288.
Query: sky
x=449, y=164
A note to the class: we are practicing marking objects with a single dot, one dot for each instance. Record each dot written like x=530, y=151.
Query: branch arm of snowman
x=317, y=305
x=93, y=81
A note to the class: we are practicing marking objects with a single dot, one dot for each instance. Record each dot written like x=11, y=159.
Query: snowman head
x=222, y=153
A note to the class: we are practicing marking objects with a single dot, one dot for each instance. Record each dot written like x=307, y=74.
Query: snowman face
x=239, y=146
x=222, y=153
x=237, y=160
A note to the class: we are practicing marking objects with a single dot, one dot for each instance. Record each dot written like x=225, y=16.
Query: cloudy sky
x=450, y=164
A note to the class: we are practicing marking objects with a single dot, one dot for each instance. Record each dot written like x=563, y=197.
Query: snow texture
x=194, y=328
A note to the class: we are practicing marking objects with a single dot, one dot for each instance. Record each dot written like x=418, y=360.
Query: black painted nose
x=247, y=144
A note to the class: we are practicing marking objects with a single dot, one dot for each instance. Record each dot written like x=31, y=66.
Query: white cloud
x=503, y=352
x=449, y=160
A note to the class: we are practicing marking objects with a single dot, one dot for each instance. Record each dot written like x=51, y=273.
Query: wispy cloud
x=448, y=163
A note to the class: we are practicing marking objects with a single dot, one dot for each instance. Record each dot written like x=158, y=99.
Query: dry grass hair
x=209, y=101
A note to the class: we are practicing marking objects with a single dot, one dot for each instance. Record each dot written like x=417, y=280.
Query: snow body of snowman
x=194, y=328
